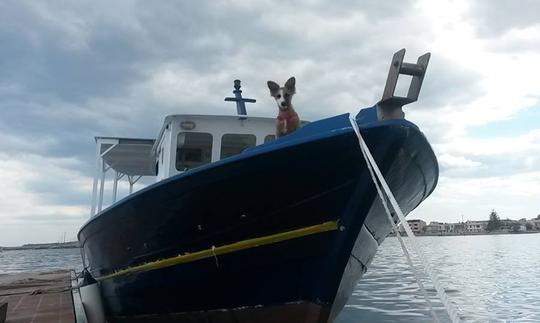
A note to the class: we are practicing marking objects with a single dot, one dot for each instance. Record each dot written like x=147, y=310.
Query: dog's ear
x=291, y=84
x=273, y=86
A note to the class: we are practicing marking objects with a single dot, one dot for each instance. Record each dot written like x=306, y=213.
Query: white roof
x=129, y=156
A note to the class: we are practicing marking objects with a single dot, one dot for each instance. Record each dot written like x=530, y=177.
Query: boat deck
x=37, y=297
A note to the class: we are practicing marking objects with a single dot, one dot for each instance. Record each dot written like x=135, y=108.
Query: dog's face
x=283, y=95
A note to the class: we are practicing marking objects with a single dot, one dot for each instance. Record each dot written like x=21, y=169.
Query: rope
x=215, y=256
x=376, y=174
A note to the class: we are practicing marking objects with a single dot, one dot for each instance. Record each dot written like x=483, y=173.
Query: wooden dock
x=37, y=297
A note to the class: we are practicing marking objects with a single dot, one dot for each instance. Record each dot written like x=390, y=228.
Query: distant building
x=507, y=224
x=435, y=227
x=476, y=226
x=460, y=227
x=449, y=227
x=535, y=222
x=417, y=226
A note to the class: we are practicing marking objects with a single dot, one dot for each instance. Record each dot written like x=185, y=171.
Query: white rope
x=400, y=239
x=215, y=256
x=373, y=168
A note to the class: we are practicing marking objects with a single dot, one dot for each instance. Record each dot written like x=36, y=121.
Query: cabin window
x=269, y=138
x=193, y=149
x=233, y=144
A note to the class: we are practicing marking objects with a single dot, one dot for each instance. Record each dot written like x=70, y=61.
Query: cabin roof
x=136, y=156
x=202, y=117
x=129, y=156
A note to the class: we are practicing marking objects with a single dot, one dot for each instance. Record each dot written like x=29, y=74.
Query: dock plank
x=37, y=297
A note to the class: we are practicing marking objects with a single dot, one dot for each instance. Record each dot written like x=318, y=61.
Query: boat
x=241, y=226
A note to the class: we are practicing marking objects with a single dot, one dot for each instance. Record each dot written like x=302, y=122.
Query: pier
x=37, y=297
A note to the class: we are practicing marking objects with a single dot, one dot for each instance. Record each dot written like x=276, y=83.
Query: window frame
x=252, y=136
x=204, y=161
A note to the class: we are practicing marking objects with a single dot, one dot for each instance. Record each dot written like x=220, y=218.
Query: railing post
x=96, y=177
x=115, y=186
x=102, y=185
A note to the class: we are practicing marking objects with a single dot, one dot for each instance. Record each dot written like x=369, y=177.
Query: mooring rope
x=215, y=256
x=400, y=239
x=378, y=179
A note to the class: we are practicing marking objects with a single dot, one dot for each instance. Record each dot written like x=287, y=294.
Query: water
x=16, y=261
x=491, y=278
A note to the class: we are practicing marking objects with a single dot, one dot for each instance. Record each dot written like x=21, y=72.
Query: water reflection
x=489, y=278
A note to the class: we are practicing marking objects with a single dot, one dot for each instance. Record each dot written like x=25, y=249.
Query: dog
x=287, y=119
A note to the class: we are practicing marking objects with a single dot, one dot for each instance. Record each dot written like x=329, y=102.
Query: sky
x=70, y=71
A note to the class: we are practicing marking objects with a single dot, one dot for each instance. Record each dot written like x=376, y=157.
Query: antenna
x=240, y=101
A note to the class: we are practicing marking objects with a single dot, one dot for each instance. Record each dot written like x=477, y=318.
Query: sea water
x=489, y=278
x=34, y=260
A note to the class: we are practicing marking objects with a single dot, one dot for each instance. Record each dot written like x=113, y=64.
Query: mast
x=240, y=101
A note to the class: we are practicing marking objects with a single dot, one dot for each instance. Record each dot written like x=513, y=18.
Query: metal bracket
x=390, y=106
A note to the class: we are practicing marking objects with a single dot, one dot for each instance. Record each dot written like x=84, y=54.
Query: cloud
x=496, y=17
x=75, y=70
x=495, y=145
x=485, y=157
x=41, y=189
x=457, y=161
x=513, y=196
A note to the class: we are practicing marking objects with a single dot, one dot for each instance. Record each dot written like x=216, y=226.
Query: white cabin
x=184, y=142
x=188, y=141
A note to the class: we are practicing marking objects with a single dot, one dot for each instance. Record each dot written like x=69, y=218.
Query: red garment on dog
x=288, y=117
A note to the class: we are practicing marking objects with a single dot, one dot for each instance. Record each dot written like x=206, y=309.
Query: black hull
x=305, y=181
x=295, y=312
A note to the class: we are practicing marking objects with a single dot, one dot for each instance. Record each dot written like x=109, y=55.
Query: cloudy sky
x=72, y=70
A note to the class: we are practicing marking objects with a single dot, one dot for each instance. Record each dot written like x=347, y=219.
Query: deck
x=37, y=297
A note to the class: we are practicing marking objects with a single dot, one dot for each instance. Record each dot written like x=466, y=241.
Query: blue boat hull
x=316, y=175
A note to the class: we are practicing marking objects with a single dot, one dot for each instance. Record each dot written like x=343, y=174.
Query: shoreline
x=75, y=244
x=463, y=234
x=35, y=246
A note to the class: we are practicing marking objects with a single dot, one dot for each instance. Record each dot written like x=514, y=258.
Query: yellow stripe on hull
x=233, y=247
